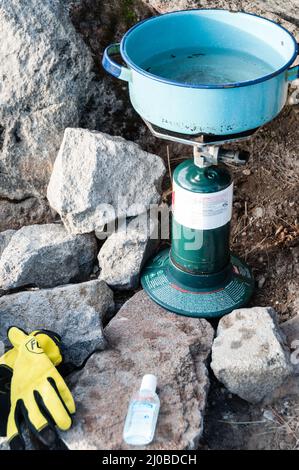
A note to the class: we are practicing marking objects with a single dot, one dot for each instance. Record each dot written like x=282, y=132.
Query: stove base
x=201, y=296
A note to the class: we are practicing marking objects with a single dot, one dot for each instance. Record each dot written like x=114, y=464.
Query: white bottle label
x=202, y=211
x=143, y=414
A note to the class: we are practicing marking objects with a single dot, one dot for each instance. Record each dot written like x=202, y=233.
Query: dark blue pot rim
x=189, y=85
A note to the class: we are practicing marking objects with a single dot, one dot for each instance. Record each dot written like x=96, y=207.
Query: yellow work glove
x=47, y=340
x=50, y=342
x=38, y=392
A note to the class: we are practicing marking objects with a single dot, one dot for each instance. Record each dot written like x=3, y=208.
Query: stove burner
x=199, y=139
x=207, y=138
x=210, y=138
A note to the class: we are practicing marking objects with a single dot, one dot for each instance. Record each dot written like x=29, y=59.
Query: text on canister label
x=202, y=211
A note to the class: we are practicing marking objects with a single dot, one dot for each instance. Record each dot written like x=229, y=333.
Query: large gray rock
x=144, y=338
x=46, y=76
x=46, y=256
x=74, y=311
x=124, y=253
x=249, y=355
x=45, y=73
x=97, y=177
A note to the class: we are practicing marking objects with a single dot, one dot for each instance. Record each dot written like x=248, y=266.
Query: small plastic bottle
x=143, y=413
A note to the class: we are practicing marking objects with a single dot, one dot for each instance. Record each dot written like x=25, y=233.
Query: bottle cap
x=149, y=382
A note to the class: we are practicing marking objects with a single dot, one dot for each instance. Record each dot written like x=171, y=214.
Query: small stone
x=269, y=416
x=74, y=311
x=46, y=256
x=144, y=338
x=258, y=212
x=96, y=269
x=246, y=172
x=123, y=255
x=249, y=355
x=290, y=329
x=98, y=178
x=261, y=281
x=283, y=445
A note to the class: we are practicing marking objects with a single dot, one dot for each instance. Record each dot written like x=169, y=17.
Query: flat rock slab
x=144, y=338
x=249, y=355
x=74, y=311
x=97, y=177
x=46, y=256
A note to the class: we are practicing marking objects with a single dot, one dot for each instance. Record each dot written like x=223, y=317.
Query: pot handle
x=293, y=76
x=293, y=73
x=112, y=67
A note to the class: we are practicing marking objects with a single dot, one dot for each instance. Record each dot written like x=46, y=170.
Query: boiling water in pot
x=207, y=66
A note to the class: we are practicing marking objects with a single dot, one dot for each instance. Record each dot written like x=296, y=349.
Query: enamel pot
x=190, y=107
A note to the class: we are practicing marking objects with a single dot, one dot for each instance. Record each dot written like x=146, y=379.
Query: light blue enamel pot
x=227, y=105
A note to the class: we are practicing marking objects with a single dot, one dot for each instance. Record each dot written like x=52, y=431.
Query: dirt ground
x=265, y=232
x=233, y=424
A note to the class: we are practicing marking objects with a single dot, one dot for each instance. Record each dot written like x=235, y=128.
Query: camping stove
x=215, y=72
x=198, y=276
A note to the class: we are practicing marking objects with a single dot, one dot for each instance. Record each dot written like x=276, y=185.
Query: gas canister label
x=202, y=211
